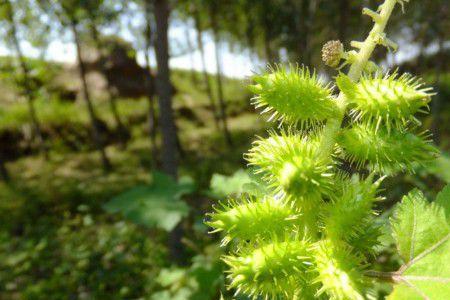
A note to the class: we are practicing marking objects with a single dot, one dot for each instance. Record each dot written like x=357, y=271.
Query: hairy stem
x=359, y=62
x=385, y=276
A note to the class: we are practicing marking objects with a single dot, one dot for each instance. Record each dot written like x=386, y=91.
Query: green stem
x=383, y=276
x=359, y=62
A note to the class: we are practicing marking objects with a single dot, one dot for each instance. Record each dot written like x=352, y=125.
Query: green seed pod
x=291, y=165
x=390, y=99
x=339, y=271
x=294, y=96
x=274, y=271
x=350, y=213
x=251, y=218
x=383, y=151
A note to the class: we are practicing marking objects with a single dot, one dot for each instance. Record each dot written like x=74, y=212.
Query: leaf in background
x=256, y=187
x=157, y=204
x=199, y=281
x=440, y=167
x=168, y=277
x=222, y=186
x=423, y=240
x=240, y=182
x=443, y=199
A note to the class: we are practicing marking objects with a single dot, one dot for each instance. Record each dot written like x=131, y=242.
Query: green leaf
x=155, y=205
x=167, y=277
x=256, y=187
x=423, y=240
x=443, y=200
x=417, y=225
x=222, y=185
x=440, y=167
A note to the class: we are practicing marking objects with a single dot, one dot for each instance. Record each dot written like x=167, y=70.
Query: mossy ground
x=56, y=241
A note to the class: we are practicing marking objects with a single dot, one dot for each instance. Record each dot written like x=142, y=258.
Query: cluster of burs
x=311, y=233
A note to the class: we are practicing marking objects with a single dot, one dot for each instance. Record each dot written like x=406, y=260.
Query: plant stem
x=333, y=126
x=387, y=276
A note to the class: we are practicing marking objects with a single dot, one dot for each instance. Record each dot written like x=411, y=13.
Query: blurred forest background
x=110, y=158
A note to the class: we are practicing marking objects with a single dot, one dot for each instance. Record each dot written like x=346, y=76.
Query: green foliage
x=443, y=199
x=158, y=204
x=222, y=185
x=422, y=235
x=314, y=233
x=83, y=257
x=199, y=281
x=439, y=167
x=417, y=225
x=52, y=112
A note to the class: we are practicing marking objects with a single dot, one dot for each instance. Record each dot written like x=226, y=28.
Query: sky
x=233, y=64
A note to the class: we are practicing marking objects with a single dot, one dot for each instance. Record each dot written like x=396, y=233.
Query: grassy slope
x=56, y=240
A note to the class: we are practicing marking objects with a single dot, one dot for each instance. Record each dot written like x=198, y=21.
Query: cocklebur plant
x=313, y=233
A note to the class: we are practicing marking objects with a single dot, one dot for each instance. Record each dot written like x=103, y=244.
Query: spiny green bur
x=314, y=234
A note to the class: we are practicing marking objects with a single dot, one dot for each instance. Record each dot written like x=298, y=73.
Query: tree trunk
x=440, y=69
x=168, y=129
x=164, y=90
x=3, y=171
x=191, y=51
x=270, y=57
x=271, y=53
x=37, y=131
x=222, y=104
x=303, y=29
x=344, y=8
x=94, y=121
x=112, y=100
x=149, y=82
x=212, y=101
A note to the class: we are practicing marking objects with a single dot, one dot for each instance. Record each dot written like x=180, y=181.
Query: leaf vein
x=416, y=289
x=426, y=278
x=413, y=234
x=425, y=253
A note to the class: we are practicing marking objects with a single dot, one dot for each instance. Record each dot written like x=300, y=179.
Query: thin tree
x=168, y=128
x=3, y=171
x=443, y=12
x=69, y=15
x=112, y=98
x=164, y=90
x=13, y=33
x=212, y=101
x=220, y=95
x=344, y=9
x=191, y=50
x=85, y=90
x=149, y=80
x=303, y=30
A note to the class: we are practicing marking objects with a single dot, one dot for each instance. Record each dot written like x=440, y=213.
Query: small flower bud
x=332, y=53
